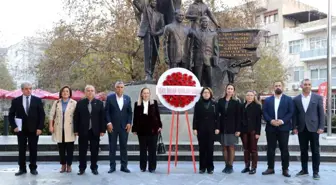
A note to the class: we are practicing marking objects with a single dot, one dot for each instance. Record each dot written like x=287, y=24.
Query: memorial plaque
x=238, y=44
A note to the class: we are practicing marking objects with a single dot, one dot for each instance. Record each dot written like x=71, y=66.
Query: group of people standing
x=88, y=119
x=228, y=119
x=224, y=121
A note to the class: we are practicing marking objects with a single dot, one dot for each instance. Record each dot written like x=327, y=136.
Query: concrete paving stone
x=181, y=175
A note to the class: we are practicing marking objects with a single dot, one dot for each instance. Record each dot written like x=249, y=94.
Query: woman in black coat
x=250, y=131
x=229, y=116
x=147, y=125
x=205, y=127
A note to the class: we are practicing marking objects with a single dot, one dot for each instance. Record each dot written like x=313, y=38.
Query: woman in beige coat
x=61, y=127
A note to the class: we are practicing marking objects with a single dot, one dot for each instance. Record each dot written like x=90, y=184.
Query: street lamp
x=329, y=135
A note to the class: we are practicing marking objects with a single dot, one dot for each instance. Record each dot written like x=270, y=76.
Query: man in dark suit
x=89, y=124
x=308, y=121
x=119, y=118
x=28, y=109
x=278, y=111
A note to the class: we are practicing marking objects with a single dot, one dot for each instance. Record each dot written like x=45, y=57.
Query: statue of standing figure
x=175, y=42
x=205, y=51
x=151, y=27
x=198, y=9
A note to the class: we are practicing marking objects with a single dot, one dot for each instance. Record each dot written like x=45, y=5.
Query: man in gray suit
x=308, y=122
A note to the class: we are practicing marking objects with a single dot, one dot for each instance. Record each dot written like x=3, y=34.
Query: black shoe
x=201, y=171
x=81, y=172
x=126, y=170
x=302, y=173
x=268, y=172
x=225, y=169
x=316, y=176
x=210, y=171
x=33, y=172
x=151, y=171
x=285, y=173
x=111, y=170
x=143, y=170
x=253, y=171
x=95, y=172
x=245, y=170
x=230, y=170
x=20, y=172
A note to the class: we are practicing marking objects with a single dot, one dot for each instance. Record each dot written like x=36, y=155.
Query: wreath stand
x=176, y=145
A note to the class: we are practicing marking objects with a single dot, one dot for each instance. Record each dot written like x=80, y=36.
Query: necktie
x=90, y=110
x=27, y=105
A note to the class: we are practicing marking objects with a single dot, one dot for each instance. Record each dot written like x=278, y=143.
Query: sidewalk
x=182, y=175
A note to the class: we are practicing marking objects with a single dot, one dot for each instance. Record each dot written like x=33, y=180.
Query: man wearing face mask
x=278, y=111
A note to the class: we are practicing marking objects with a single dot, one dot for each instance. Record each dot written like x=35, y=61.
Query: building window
x=333, y=72
x=276, y=17
x=323, y=74
x=317, y=43
x=295, y=46
x=314, y=74
x=270, y=17
x=298, y=74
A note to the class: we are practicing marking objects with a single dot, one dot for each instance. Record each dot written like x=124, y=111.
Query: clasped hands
x=277, y=122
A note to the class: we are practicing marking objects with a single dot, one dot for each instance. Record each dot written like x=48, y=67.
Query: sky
x=24, y=18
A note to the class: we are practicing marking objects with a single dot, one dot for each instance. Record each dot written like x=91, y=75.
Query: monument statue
x=198, y=9
x=151, y=27
x=167, y=8
x=175, y=42
x=205, y=52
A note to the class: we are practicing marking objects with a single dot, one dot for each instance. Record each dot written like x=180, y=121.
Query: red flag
x=323, y=91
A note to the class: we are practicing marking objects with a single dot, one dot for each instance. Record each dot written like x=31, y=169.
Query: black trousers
x=204, y=74
x=206, y=149
x=83, y=142
x=272, y=139
x=305, y=138
x=148, y=144
x=123, y=138
x=65, y=150
x=32, y=139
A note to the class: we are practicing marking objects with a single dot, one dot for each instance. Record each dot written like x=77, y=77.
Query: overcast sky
x=20, y=18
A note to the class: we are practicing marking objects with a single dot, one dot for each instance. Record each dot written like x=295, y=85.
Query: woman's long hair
x=234, y=89
x=140, y=99
x=255, y=99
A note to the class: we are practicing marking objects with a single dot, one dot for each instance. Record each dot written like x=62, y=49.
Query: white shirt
x=276, y=105
x=24, y=99
x=120, y=101
x=305, y=101
x=145, y=104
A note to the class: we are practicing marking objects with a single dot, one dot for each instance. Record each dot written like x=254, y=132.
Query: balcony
x=315, y=54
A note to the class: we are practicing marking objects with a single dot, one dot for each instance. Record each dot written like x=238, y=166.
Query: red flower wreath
x=179, y=79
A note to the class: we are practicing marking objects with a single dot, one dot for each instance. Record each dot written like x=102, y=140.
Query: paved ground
x=182, y=175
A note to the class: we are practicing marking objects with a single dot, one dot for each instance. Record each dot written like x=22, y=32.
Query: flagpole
x=329, y=113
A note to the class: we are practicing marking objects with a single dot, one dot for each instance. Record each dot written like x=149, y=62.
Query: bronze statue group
x=193, y=47
x=227, y=120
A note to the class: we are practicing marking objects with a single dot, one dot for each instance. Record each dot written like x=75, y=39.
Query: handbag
x=161, y=149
